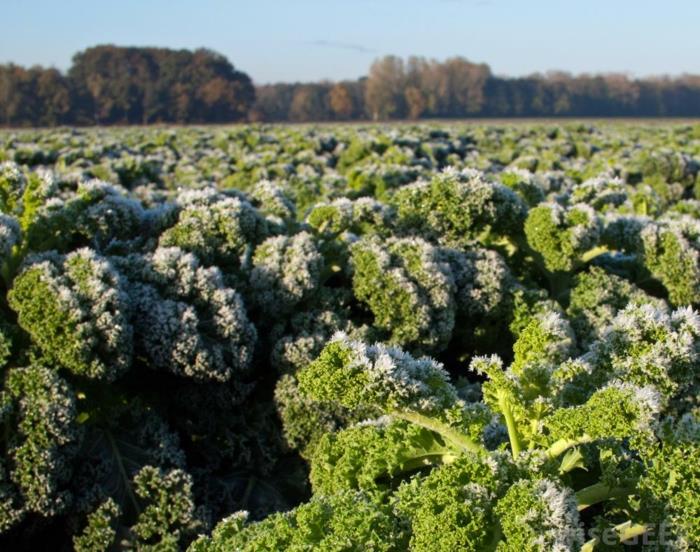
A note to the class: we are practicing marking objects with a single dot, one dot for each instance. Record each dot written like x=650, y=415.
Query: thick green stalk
x=513, y=435
x=593, y=253
x=562, y=445
x=598, y=492
x=457, y=439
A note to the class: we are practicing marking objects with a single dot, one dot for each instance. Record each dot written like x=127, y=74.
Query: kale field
x=435, y=337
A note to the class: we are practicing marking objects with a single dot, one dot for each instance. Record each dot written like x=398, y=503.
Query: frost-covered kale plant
x=426, y=338
x=554, y=451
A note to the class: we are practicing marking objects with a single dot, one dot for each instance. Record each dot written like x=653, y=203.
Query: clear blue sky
x=288, y=40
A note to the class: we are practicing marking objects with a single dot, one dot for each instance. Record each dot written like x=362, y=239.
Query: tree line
x=119, y=85
x=457, y=88
x=116, y=85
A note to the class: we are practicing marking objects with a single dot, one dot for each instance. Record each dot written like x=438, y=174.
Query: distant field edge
x=390, y=122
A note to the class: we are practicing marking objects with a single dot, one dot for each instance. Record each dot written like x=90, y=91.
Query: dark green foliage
x=219, y=230
x=77, y=311
x=99, y=533
x=104, y=216
x=537, y=516
x=345, y=521
x=306, y=421
x=360, y=217
x=455, y=208
x=562, y=236
x=187, y=321
x=169, y=514
x=616, y=411
x=671, y=484
x=596, y=298
x=231, y=345
x=38, y=409
x=456, y=498
x=355, y=375
x=286, y=270
x=671, y=252
x=373, y=456
x=408, y=289
x=524, y=184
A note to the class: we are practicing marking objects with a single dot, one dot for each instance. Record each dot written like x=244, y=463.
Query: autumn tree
x=309, y=103
x=384, y=92
x=142, y=85
x=341, y=101
x=34, y=96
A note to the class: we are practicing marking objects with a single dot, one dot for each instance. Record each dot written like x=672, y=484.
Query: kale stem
x=460, y=441
x=593, y=253
x=598, y=492
x=562, y=445
x=513, y=436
